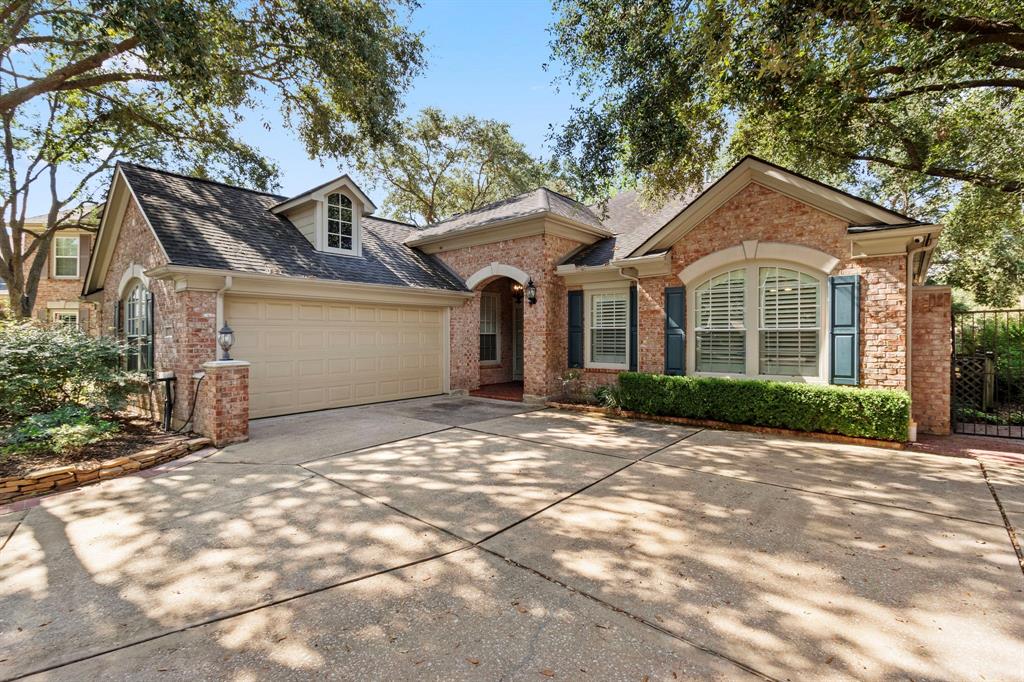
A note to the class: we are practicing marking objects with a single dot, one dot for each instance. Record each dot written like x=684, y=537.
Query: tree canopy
x=918, y=104
x=85, y=84
x=441, y=165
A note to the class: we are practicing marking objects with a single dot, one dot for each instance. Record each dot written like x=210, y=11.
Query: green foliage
x=442, y=165
x=864, y=413
x=913, y=103
x=165, y=82
x=45, y=368
x=63, y=429
x=1002, y=335
x=969, y=415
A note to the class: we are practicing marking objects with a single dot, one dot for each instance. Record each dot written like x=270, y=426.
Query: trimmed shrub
x=44, y=368
x=858, y=412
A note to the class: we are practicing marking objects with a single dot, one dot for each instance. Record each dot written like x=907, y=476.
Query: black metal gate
x=988, y=373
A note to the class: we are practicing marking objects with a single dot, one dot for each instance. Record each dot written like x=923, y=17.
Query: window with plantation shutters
x=719, y=327
x=609, y=329
x=790, y=326
x=489, y=327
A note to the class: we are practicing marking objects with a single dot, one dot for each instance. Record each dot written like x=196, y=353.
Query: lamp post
x=226, y=339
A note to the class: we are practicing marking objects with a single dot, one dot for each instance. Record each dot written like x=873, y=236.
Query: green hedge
x=860, y=412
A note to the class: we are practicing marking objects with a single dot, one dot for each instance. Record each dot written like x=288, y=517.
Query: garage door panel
x=310, y=355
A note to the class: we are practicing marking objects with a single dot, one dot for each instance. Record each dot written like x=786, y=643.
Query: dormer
x=329, y=216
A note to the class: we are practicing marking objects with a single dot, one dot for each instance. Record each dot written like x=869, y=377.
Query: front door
x=517, y=340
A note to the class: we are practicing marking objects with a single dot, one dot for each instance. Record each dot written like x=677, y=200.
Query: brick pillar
x=222, y=409
x=930, y=358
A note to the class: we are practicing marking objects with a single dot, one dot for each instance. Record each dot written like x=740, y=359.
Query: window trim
x=65, y=312
x=149, y=312
x=78, y=256
x=751, y=321
x=588, y=312
x=497, y=329
x=321, y=226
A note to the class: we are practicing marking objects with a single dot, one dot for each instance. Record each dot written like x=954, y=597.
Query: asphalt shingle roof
x=206, y=224
x=632, y=222
x=541, y=200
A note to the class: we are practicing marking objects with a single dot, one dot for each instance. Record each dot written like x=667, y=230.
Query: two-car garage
x=310, y=354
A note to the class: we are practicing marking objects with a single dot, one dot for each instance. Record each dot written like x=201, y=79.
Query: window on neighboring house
x=340, y=235
x=138, y=328
x=759, y=320
x=719, y=325
x=68, y=318
x=789, y=322
x=65, y=257
x=489, y=327
x=609, y=330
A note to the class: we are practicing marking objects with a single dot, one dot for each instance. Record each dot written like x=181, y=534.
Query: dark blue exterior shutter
x=675, y=330
x=575, y=329
x=844, y=330
x=634, y=337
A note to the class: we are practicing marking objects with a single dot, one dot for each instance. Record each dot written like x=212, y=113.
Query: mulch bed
x=137, y=433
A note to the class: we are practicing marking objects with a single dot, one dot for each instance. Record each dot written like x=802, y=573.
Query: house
x=61, y=278
x=764, y=274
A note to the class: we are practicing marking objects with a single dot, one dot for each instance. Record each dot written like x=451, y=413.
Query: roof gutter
x=474, y=229
x=172, y=271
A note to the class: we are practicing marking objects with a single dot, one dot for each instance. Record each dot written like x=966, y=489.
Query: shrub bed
x=856, y=412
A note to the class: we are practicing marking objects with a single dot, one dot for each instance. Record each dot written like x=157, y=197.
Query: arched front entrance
x=500, y=353
x=500, y=341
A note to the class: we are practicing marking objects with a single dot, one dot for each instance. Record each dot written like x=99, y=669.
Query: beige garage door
x=312, y=355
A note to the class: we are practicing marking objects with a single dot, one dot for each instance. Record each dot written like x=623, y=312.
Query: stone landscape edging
x=59, y=479
x=711, y=424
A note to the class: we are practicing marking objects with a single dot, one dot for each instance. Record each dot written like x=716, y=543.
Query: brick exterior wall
x=757, y=212
x=222, y=409
x=184, y=322
x=545, y=337
x=63, y=291
x=930, y=360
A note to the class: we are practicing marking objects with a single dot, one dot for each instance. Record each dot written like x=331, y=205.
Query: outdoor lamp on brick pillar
x=531, y=292
x=226, y=339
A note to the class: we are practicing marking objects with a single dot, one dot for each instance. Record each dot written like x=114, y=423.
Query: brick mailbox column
x=222, y=408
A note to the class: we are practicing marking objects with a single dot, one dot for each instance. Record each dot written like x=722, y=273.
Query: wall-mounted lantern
x=226, y=339
x=531, y=292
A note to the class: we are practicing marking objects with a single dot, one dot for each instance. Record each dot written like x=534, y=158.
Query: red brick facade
x=184, y=322
x=931, y=358
x=544, y=332
x=222, y=410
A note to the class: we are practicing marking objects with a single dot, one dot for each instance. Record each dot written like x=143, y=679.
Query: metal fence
x=988, y=373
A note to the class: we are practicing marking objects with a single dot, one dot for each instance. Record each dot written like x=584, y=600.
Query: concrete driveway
x=461, y=538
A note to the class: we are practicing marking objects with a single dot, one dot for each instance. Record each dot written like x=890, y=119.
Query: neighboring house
x=764, y=274
x=60, y=281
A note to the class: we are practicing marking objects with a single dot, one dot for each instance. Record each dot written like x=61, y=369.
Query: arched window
x=137, y=327
x=760, y=320
x=340, y=236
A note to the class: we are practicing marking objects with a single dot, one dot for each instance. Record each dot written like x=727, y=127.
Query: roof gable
x=319, y=192
x=852, y=209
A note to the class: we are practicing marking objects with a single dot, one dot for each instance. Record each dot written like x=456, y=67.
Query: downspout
x=908, y=354
x=220, y=306
x=634, y=275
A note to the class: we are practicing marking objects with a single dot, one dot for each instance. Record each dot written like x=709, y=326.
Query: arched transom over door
x=311, y=355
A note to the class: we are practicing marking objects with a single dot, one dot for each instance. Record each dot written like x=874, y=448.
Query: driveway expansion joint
x=1006, y=519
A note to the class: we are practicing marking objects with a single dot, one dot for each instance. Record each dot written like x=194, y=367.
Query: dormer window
x=340, y=231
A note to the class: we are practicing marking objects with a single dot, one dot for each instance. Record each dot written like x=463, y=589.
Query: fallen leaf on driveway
x=547, y=673
x=473, y=661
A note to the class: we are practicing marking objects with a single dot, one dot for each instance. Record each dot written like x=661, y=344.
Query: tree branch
x=943, y=87
x=52, y=81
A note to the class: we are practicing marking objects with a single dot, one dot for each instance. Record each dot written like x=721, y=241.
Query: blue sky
x=484, y=58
